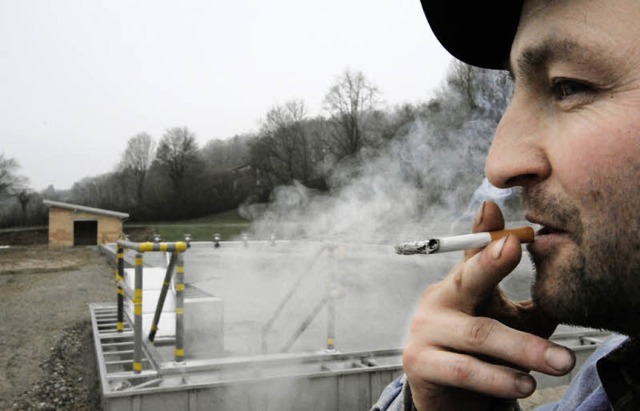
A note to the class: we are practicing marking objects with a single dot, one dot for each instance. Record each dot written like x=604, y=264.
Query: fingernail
x=496, y=249
x=478, y=219
x=525, y=384
x=558, y=358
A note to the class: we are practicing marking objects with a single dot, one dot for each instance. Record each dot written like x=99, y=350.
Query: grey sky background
x=78, y=78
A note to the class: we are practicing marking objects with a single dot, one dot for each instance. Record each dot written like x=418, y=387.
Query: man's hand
x=468, y=344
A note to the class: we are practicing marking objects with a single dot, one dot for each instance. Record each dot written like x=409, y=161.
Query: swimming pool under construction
x=265, y=325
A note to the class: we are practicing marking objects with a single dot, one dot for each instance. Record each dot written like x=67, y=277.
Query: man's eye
x=565, y=88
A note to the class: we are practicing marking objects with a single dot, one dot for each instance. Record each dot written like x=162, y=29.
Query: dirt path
x=46, y=349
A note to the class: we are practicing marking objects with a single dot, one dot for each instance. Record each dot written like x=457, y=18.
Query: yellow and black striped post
x=179, y=246
x=180, y=308
x=177, y=249
x=137, y=312
x=119, y=279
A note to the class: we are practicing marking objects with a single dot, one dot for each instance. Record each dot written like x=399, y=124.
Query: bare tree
x=102, y=191
x=10, y=182
x=137, y=160
x=177, y=155
x=395, y=121
x=283, y=149
x=221, y=155
x=349, y=102
x=24, y=196
x=461, y=120
x=471, y=93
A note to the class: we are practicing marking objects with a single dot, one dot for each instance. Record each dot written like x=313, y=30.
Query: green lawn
x=228, y=224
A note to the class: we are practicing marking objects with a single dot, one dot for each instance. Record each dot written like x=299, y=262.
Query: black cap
x=476, y=32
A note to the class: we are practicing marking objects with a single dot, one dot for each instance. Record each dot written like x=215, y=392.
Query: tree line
x=173, y=178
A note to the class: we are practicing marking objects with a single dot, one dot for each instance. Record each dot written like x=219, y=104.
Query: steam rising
x=415, y=185
x=427, y=181
x=422, y=179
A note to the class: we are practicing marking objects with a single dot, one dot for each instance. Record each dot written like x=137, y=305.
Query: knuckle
x=419, y=323
x=477, y=331
x=430, y=293
x=410, y=357
x=460, y=370
x=417, y=360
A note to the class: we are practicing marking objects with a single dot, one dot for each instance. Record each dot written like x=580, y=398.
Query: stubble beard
x=594, y=280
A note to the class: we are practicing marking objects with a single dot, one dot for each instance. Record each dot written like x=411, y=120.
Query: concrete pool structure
x=281, y=325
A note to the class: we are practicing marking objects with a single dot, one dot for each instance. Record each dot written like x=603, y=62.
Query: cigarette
x=463, y=242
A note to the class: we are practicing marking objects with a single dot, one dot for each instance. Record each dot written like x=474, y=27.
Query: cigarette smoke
x=426, y=182
x=428, y=177
x=406, y=191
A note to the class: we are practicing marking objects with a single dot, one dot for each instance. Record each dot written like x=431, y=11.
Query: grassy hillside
x=228, y=224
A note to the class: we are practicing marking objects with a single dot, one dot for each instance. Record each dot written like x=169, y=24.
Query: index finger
x=488, y=218
x=472, y=281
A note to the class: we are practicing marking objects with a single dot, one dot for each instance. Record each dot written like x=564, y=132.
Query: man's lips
x=548, y=235
x=545, y=227
x=547, y=230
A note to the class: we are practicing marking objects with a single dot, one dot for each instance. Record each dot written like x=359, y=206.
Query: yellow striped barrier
x=177, y=262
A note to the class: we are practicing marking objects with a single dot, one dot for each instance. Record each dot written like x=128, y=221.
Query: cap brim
x=475, y=32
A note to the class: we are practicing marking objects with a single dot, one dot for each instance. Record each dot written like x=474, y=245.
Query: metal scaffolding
x=176, y=263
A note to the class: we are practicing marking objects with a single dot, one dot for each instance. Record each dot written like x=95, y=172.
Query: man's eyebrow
x=535, y=58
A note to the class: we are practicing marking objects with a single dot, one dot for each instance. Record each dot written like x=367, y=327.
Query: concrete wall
x=61, y=227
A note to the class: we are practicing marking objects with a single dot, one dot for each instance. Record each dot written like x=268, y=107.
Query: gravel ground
x=47, y=359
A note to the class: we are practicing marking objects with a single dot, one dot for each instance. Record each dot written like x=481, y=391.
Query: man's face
x=571, y=139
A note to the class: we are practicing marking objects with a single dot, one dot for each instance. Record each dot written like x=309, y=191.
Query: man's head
x=571, y=139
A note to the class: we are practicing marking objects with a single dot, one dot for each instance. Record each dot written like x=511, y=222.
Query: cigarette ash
x=418, y=247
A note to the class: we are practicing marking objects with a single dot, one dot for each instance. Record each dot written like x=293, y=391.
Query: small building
x=73, y=225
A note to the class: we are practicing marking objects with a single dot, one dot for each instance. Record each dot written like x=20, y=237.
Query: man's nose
x=517, y=156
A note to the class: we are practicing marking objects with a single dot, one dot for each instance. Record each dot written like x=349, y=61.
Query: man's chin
x=555, y=288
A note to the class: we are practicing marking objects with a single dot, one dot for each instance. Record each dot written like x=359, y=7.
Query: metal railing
x=176, y=263
x=328, y=300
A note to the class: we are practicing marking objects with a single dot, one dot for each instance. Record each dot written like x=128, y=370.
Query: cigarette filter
x=463, y=242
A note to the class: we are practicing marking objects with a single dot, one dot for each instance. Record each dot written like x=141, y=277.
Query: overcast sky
x=78, y=78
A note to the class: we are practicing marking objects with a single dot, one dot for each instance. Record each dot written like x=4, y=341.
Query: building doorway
x=85, y=233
